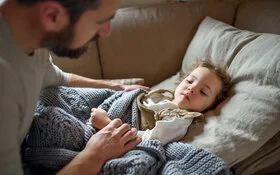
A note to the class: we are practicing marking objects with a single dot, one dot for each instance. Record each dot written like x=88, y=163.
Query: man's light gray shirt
x=22, y=77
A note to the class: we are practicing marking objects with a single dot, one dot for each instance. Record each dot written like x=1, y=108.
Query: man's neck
x=19, y=19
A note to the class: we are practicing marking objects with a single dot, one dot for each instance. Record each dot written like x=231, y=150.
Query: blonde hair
x=219, y=70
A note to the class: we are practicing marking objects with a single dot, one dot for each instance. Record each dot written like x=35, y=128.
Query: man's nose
x=104, y=29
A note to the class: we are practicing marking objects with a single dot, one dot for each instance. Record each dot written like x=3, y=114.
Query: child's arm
x=98, y=118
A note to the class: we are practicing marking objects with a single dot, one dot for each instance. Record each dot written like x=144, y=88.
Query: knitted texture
x=146, y=158
x=63, y=156
x=121, y=100
x=186, y=159
x=60, y=122
x=150, y=158
x=58, y=133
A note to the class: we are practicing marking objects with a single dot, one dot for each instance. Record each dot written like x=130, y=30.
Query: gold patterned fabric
x=149, y=117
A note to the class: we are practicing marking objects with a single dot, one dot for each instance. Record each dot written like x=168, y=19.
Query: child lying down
x=59, y=130
x=166, y=118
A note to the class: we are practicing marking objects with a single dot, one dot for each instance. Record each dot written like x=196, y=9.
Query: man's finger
x=129, y=135
x=123, y=129
x=132, y=143
x=115, y=123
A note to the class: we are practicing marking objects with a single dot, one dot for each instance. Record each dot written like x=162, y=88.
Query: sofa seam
x=99, y=58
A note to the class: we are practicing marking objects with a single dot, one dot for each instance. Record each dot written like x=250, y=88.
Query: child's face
x=198, y=91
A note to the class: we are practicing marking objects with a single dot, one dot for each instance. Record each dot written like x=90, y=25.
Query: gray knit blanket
x=58, y=133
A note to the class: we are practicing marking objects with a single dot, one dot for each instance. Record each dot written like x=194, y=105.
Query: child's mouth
x=186, y=97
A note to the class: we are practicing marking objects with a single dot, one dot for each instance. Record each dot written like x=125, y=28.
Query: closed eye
x=203, y=93
x=189, y=81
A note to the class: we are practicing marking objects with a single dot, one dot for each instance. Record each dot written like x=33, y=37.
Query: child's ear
x=53, y=16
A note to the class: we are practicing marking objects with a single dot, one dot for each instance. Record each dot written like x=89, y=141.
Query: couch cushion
x=250, y=117
x=259, y=16
x=152, y=40
x=138, y=3
x=264, y=161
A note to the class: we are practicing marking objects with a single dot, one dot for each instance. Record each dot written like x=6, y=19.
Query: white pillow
x=169, y=83
x=251, y=116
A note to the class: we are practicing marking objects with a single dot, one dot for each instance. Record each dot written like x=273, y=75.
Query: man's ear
x=53, y=16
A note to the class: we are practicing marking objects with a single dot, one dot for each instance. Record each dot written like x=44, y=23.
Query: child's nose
x=191, y=89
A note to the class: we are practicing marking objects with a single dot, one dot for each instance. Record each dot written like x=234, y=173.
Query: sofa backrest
x=149, y=38
x=150, y=41
x=259, y=16
x=138, y=3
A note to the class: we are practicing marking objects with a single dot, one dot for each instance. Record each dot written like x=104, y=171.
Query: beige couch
x=150, y=39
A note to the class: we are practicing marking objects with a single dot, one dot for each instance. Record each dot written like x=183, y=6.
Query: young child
x=167, y=118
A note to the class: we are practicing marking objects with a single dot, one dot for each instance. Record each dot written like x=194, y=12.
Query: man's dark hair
x=75, y=8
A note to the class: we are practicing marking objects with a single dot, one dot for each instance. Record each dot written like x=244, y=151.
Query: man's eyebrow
x=106, y=20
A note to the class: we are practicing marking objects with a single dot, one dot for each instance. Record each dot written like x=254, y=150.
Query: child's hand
x=99, y=118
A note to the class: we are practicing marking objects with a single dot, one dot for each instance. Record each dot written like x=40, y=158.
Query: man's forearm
x=83, y=164
x=80, y=81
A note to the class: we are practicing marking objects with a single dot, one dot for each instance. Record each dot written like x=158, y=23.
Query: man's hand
x=110, y=142
x=79, y=81
x=113, y=140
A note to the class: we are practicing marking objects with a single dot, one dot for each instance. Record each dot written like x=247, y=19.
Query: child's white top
x=168, y=129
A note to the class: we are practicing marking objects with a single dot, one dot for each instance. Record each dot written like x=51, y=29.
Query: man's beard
x=58, y=43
